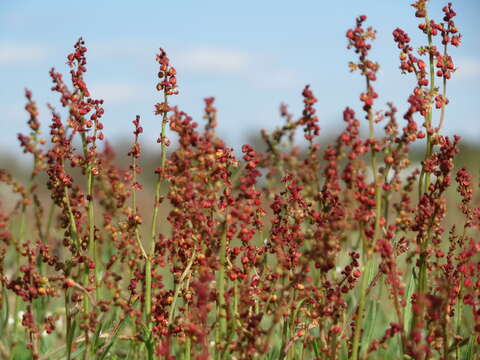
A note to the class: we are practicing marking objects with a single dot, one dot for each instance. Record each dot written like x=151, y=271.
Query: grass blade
x=407, y=313
x=469, y=352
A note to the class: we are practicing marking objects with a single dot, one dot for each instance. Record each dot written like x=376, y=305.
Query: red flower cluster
x=292, y=251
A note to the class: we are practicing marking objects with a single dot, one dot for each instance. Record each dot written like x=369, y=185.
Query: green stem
x=21, y=239
x=92, y=253
x=458, y=318
x=134, y=202
x=430, y=110
x=235, y=314
x=69, y=329
x=178, y=288
x=153, y=232
x=366, y=267
x=148, y=291
x=373, y=163
x=424, y=181
x=221, y=310
x=73, y=224
x=46, y=234
x=188, y=348
x=367, y=248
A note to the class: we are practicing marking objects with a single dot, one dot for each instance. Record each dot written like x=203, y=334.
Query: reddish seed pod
x=263, y=219
x=336, y=329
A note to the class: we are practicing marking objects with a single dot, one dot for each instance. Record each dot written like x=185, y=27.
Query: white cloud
x=211, y=59
x=12, y=54
x=131, y=48
x=113, y=92
x=468, y=68
x=275, y=78
x=262, y=71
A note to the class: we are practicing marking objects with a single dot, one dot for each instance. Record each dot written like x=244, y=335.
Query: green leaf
x=469, y=352
x=370, y=323
x=71, y=334
x=5, y=310
x=21, y=352
x=407, y=312
x=96, y=340
x=81, y=349
x=316, y=349
x=113, y=339
x=273, y=354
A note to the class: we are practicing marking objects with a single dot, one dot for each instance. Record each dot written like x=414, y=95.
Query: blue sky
x=250, y=55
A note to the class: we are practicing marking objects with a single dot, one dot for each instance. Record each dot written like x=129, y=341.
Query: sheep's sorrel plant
x=348, y=250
